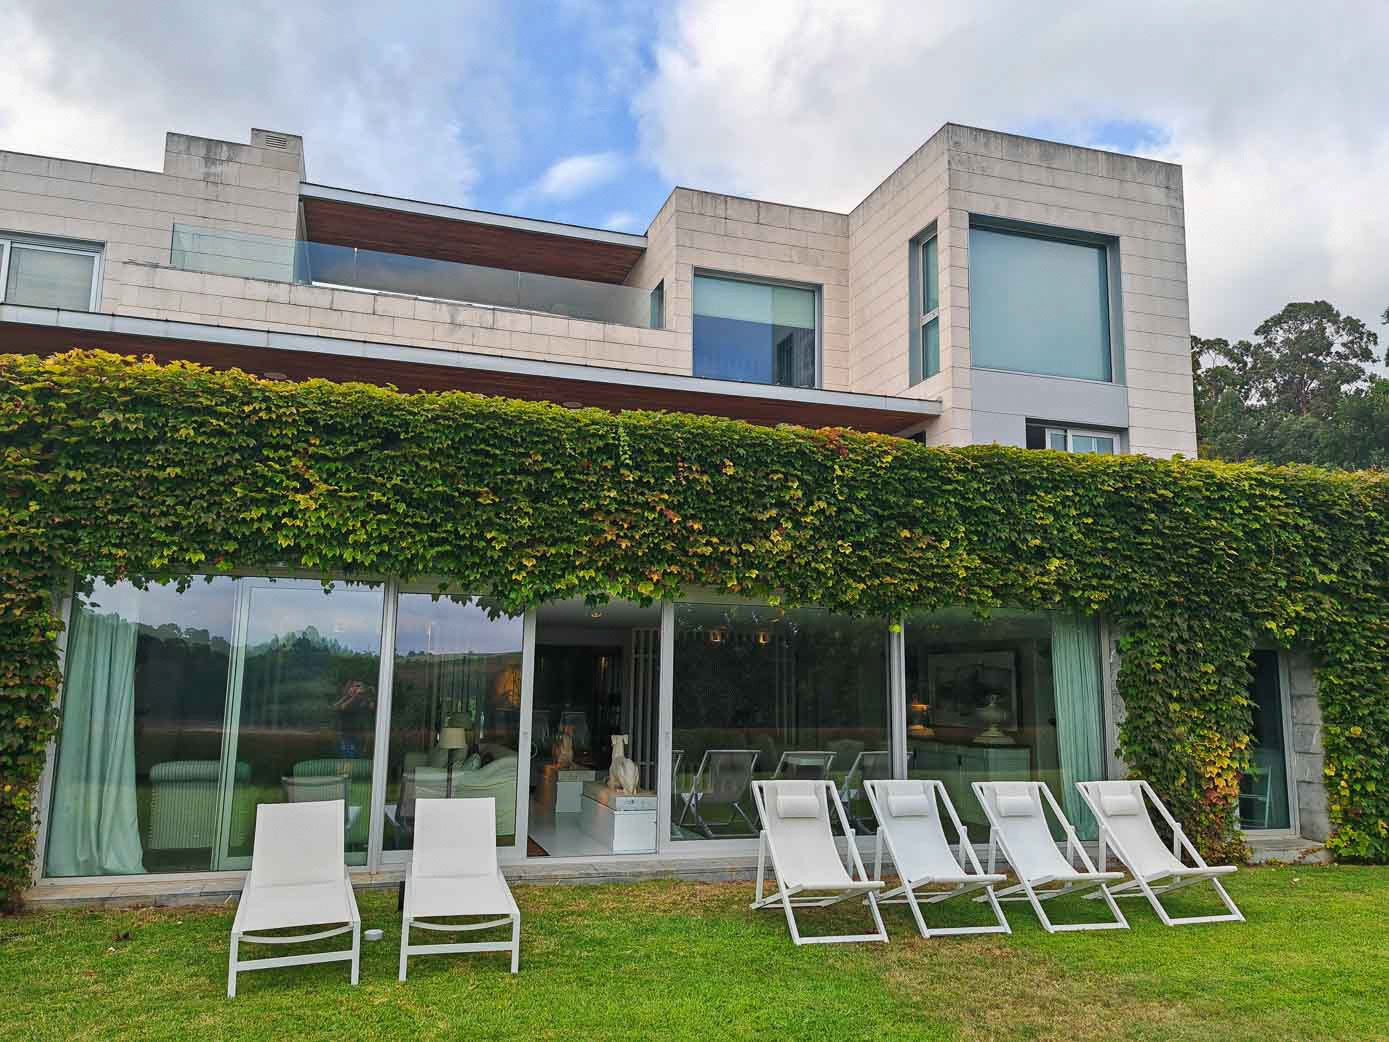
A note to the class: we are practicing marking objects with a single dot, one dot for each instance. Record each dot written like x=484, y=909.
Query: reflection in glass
x=1015, y=697
x=305, y=718
x=455, y=711
x=136, y=786
x=753, y=683
x=754, y=332
x=1263, y=799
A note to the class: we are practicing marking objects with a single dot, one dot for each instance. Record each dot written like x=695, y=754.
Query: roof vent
x=275, y=141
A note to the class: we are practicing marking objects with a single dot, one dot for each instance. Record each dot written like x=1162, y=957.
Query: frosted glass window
x=1039, y=305
x=754, y=332
x=49, y=278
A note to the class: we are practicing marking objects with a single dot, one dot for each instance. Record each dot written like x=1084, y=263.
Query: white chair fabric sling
x=808, y=870
x=1018, y=829
x=1127, y=828
x=722, y=777
x=298, y=878
x=454, y=872
x=911, y=831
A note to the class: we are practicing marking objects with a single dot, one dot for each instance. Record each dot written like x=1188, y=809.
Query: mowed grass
x=673, y=961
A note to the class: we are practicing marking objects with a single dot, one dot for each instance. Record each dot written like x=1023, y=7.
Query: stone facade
x=859, y=261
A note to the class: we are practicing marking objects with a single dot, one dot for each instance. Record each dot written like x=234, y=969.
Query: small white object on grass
x=373, y=935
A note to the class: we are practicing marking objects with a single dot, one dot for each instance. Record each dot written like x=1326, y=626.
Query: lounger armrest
x=356, y=918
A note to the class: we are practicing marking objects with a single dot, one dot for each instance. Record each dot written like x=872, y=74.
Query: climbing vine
x=125, y=469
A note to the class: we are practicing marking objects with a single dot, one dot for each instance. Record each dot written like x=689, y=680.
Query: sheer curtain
x=95, y=828
x=1075, y=656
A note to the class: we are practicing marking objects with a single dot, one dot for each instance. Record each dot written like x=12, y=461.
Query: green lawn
x=673, y=961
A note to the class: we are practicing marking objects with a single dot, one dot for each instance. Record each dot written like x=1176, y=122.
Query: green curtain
x=95, y=828
x=1075, y=658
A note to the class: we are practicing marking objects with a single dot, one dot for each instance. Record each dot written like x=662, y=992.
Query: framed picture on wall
x=974, y=689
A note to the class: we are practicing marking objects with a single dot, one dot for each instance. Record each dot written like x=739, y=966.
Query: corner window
x=1067, y=439
x=1039, y=305
x=754, y=332
x=923, y=357
x=48, y=274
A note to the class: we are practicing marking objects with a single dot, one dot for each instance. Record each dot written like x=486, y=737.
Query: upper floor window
x=1039, y=305
x=924, y=353
x=1069, y=439
x=755, y=332
x=48, y=274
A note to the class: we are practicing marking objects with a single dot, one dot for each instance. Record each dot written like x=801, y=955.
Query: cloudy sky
x=589, y=110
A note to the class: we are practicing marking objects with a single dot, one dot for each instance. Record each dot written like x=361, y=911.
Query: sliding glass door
x=301, y=707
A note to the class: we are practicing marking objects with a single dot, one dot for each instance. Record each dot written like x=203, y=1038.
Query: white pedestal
x=624, y=823
x=561, y=789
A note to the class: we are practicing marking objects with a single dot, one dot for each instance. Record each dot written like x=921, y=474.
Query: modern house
x=993, y=288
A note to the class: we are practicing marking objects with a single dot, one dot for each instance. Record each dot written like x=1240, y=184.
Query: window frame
x=1285, y=708
x=760, y=280
x=9, y=240
x=921, y=315
x=1113, y=282
x=1071, y=433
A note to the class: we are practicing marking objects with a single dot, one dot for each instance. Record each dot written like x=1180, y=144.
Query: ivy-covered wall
x=125, y=469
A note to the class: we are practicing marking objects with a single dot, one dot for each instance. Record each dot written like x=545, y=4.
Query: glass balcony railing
x=314, y=263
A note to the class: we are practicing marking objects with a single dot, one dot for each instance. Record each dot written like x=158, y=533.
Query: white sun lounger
x=298, y=878
x=454, y=872
x=803, y=764
x=808, y=868
x=1127, y=829
x=1018, y=829
x=722, y=777
x=912, y=833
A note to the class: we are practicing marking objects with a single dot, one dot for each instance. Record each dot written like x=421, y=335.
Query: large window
x=1015, y=697
x=48, y=274
x=754, y=332
x=1039, y=305
x=455, y=711
x=182, y=711
x=761, y=692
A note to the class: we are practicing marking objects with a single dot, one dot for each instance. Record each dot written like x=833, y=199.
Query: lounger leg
x=1228, y=900
x=916, y=910
x=404, y=945
x=761, y=867
x=790, y=913
x=878, y=856
x=1036, y=905
x=231, y=966
x=356, y=952
x=998, y=909
x=877, y=918
x=1114, y=907
x=515, y=943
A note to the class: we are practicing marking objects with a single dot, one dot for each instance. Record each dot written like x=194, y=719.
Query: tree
x=1358, y=435
x=1274, y=398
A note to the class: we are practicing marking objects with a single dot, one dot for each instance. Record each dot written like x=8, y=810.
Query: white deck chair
x=797, y=837
x=803, y=764
x=298, y=878
x=912, y=832
x=454, y=872
x=1127, y=829
x=1018, y=828
x=723, y=776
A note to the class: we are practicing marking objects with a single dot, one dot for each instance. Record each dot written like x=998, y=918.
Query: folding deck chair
x=1018, y=829
x=798, y=764
x=866, y=766
x=809, y=871
x=723, y=776
x=912, y=832
x=298, y=878
x=1127, y=829
x=454, y=872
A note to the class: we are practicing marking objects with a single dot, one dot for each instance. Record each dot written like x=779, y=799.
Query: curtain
x=1075, y=655
x=95, y=829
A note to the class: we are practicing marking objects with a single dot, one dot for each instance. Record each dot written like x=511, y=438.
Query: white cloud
x=623, y=221
x=1279, y=116
x=400, y=100
x=574, y=176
